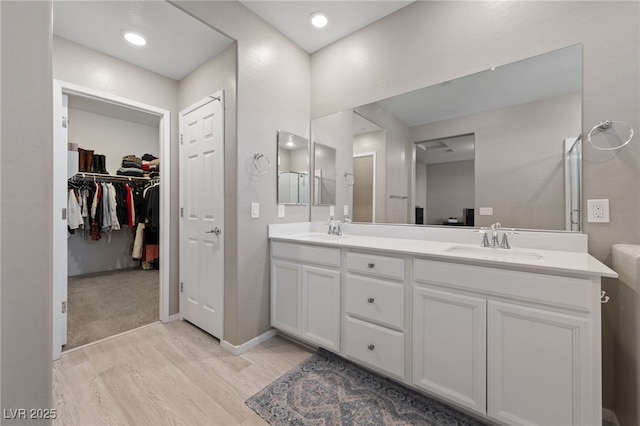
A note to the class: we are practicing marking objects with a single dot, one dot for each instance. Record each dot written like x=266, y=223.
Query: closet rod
x=99, y=176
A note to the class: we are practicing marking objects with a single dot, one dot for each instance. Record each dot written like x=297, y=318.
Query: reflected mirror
x=324, y=175
x=496, y=146
x=293, y=169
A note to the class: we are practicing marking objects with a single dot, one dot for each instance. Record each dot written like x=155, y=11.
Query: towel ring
x=261, y=164
x=349, y=178
x=604, y=126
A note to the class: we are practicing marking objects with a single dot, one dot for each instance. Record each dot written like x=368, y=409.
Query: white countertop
x=537, y=260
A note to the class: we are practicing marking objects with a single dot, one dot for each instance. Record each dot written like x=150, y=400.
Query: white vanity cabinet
x=535, y=333
x=305, y=292
x=374, y=311
x=449, y=346
x=512, y=338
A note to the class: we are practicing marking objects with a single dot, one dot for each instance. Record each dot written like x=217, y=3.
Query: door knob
x=215, y=230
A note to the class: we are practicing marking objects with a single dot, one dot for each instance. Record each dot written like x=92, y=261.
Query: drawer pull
x=371, y=347
x=370, y=300
x=371, y=265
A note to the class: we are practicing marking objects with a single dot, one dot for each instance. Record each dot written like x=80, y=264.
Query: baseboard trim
x=610, y=416
x=174, y=317
x=237, y=350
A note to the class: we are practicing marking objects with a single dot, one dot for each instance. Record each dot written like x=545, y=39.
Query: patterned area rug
x=329, y=390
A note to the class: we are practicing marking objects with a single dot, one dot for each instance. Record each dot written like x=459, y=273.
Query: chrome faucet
x=335, y=227
x=495, y=234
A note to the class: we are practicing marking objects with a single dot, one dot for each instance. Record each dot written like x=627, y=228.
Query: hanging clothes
x=74, y=212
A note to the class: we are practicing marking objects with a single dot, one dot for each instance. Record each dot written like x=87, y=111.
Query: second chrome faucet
x=495, y=240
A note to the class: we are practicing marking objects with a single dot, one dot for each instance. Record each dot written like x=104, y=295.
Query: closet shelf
x=103, y=177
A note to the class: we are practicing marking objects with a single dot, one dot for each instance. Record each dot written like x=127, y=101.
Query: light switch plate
x=346, y=210
x=486, y=211
x=332, y=211
x=255, y=210
x=280, y=210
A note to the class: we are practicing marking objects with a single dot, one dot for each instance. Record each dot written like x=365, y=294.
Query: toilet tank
x=626, y=262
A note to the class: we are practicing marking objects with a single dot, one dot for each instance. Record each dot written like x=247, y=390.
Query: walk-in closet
x=113, y=217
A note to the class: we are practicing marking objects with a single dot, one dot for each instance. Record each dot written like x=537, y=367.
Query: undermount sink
x=495, y=253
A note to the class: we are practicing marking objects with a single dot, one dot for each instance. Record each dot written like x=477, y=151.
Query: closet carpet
x=107, y=303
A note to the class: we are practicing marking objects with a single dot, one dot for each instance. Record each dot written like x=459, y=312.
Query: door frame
x=215, y=96
x=60, y=158
x=373, y=154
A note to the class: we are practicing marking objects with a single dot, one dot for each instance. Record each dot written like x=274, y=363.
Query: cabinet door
x=539, y=367
x=286, y=279
x=321, y=306
x=449, y=346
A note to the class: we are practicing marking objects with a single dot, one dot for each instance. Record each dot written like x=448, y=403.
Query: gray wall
x=450, y=189
x=273, y=93
x=396, y=167
x=480, y=35
x=27, y=240
x=519, y=161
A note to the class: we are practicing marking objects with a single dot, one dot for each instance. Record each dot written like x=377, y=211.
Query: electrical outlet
x=598, y=211
x=345, y=209
x=486, y=211
x=332, y=211
x=280, y=210
x=255, y=210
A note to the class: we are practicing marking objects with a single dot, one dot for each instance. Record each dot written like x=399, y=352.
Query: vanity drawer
x=376, y=346
x=306, y=253
x=563, y=292
x=380, y=266
x=375, y=300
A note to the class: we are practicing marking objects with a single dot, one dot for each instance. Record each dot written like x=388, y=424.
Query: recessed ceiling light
x=319, y=19
x=135, y=39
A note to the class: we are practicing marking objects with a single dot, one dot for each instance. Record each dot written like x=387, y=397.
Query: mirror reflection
x=293, y=169
x=324, y=175
x=445, y=181
x=512, y=127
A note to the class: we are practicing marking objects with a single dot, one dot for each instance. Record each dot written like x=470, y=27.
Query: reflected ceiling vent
x=432, y=145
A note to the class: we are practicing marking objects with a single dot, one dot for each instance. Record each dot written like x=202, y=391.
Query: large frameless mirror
x=293, y=169
x=495, y=146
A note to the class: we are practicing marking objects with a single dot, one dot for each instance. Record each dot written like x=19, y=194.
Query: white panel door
x=321, y=306
x=202, y=239
x=539, y=367
x=449, y=346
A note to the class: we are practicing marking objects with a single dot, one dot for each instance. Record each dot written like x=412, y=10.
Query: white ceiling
x=291, y=18
x=540, y=77
x=176, y=42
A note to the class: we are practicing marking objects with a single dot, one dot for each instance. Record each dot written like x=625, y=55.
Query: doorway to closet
x=110, y=276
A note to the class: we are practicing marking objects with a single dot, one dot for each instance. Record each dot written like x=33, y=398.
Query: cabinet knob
x=371, y=347
x=370, y=300
x=371, y=265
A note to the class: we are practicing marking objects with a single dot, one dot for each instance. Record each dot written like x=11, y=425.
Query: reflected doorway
x=364, y=187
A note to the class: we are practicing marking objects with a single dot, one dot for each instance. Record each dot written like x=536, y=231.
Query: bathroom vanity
x=511, y=336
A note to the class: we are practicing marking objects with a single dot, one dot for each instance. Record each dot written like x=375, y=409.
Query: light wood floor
x=166, y=374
